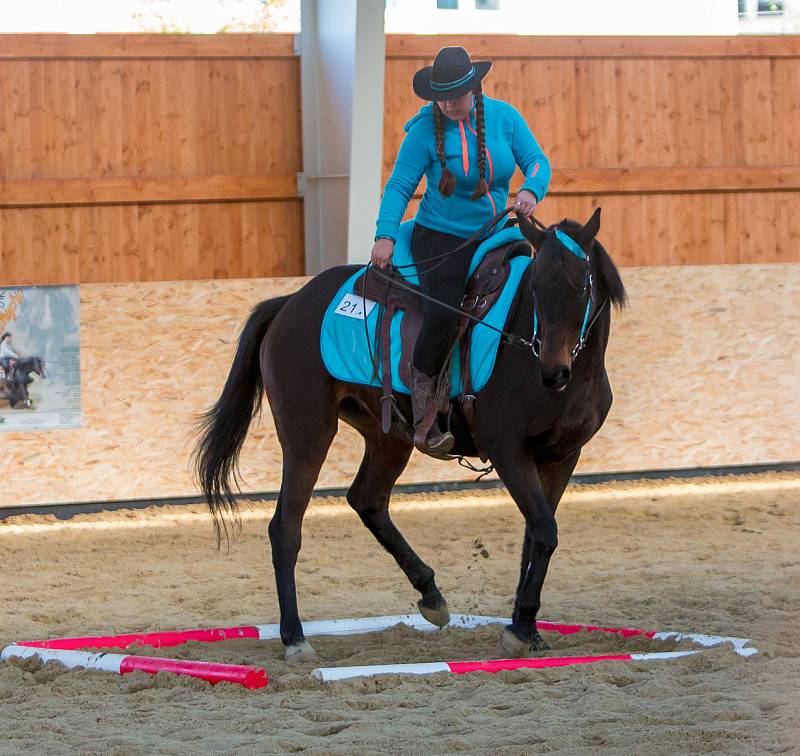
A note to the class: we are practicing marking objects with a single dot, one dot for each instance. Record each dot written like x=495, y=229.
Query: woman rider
x=467, y=146
x=7, y=356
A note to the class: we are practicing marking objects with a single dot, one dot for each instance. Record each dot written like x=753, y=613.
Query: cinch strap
x=453, y=84
x=570, y=244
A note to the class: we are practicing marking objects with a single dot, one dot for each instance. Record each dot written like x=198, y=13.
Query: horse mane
x=606, y=269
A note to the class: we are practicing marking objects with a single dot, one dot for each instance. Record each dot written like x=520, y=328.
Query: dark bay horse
x=530, y=420
x=14, y=386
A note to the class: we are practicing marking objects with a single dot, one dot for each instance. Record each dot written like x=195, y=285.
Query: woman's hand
x=526, y=203
x=382, y=252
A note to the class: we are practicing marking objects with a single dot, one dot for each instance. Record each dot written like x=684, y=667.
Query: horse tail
x=223, y=428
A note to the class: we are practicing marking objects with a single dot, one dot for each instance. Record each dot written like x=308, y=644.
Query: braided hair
x=447, y=182
x=482, y=188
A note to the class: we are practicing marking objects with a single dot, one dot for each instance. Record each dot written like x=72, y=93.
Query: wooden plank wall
x=149, y=157
x=691, y=145
x=174, y=157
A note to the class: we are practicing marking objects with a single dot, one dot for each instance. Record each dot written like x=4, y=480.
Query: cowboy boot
x=427, y=435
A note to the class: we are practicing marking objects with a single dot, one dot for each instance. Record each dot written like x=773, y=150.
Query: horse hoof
x=538, y=643
x=512, y=646
x=515, y=647
x=300, y=652
x=439, y=615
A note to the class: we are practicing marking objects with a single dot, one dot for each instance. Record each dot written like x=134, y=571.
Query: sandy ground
x=714, y=556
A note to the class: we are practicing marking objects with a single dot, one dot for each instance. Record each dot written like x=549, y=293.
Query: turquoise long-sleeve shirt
x=509, y=143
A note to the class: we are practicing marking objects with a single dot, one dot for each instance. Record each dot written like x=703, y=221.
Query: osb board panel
x=105, y=243
x=704, y=366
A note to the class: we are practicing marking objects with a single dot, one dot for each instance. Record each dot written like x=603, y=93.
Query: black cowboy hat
x=452, y=75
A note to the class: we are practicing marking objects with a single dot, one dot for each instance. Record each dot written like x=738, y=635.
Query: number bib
x=354, y=306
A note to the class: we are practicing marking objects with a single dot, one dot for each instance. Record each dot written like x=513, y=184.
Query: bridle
x=588, y=291
x=534, y=344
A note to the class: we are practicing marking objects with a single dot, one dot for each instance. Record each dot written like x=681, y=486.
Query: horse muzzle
x=556, y=377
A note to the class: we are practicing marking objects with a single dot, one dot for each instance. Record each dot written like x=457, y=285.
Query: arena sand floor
x=712, y=555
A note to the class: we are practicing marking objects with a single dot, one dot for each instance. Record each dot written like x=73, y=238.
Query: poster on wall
x=40, y=375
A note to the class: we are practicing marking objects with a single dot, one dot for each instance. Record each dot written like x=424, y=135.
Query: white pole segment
x=330, y=674
x=740, y=645
x=70, y=659
x=660, y=655
x=376, y=624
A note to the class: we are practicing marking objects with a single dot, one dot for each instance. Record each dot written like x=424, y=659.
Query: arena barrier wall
x=704, y=367
x=159, y=157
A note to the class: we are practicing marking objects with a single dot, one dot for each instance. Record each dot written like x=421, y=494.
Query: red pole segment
x=155, y=640
x=500, y=665
x=565, y=629
x=248, y=677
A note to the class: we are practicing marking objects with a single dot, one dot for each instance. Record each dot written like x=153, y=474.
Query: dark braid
x=447, y=182
x=482, y=188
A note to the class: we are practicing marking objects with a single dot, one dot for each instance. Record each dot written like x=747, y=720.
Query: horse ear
x=534, y=235
x=586, y=235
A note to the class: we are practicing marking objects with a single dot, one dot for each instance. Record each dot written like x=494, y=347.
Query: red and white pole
x=121, y=664
x=365, y=625
x=329, y=674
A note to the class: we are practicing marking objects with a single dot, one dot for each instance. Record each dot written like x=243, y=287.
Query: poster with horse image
x=40, y=377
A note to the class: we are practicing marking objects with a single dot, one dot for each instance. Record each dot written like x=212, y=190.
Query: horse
x=539, y=408
x=14, y=386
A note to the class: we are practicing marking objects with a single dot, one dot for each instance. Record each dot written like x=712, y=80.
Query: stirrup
x=441, y=444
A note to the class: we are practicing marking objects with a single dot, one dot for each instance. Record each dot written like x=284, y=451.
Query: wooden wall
x=691, y=145
x=174, y=157
x=149, y=157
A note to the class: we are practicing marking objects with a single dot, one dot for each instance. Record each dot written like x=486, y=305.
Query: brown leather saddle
x=482, y=290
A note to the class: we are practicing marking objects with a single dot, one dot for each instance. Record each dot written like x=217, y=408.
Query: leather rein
x=534, y=343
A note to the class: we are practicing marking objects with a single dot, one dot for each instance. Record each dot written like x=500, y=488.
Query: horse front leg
x=536, y=491
x=385, y=458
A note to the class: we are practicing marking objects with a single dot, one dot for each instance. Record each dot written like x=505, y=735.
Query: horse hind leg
x=385, y=458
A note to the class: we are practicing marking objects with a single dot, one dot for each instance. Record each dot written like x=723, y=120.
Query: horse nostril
x=557, y=377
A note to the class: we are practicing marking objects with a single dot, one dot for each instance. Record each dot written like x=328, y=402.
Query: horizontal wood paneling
x=112, y=144
x=685, y=229
x=168, y=46
x=150, y=242
x=691, y=144
x=146, y=189
x=497, y=46
x=569, y=181
x=149, y=157
x=64, y=119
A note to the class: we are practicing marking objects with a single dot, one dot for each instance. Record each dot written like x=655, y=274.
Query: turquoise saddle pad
x=346, y=340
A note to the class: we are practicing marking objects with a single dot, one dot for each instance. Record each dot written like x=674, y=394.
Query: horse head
x=572, y=279
x=39, y=368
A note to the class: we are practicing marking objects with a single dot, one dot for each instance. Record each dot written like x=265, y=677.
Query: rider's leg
x=445, y=281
